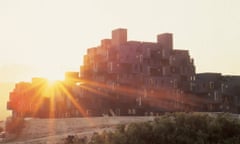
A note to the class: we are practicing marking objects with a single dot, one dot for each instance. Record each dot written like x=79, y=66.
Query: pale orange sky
x=48, y=37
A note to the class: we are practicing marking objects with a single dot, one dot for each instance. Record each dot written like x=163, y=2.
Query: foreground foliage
x=177, y=128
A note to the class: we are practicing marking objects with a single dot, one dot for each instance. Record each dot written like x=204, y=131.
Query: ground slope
x=43, y=131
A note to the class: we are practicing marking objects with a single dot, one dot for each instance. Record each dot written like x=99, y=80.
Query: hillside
x=55, y=130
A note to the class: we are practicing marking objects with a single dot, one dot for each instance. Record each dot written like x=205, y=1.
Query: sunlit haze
x=49, y=37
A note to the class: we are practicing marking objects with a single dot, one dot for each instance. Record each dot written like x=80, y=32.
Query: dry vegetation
x=177, y=128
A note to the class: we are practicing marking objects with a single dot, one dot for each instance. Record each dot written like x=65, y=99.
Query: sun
x=51, y=83
x=51, y=76
x=51, y=73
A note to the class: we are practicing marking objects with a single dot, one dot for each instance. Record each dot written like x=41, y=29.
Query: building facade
x=121, y=77
x=138, y=73
x=221, y=92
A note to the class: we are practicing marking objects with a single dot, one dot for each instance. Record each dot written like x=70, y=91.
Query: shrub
x=176, y=128
x=72, y=139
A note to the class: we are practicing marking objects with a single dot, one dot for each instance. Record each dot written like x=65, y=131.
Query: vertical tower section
x=119, y=36
x=165, y=40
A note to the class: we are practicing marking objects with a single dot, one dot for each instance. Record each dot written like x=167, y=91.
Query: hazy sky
x=49, y=37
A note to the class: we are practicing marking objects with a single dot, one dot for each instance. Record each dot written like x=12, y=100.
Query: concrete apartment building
x=121, y=77
x=209, y=86
x=135, y=72
x=39, y=98
x=221, y=92
x=149, y=64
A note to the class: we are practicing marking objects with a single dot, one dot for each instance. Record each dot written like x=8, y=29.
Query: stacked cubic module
x=128, y=74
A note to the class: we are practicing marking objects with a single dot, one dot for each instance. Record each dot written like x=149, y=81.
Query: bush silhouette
x=176, y=128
